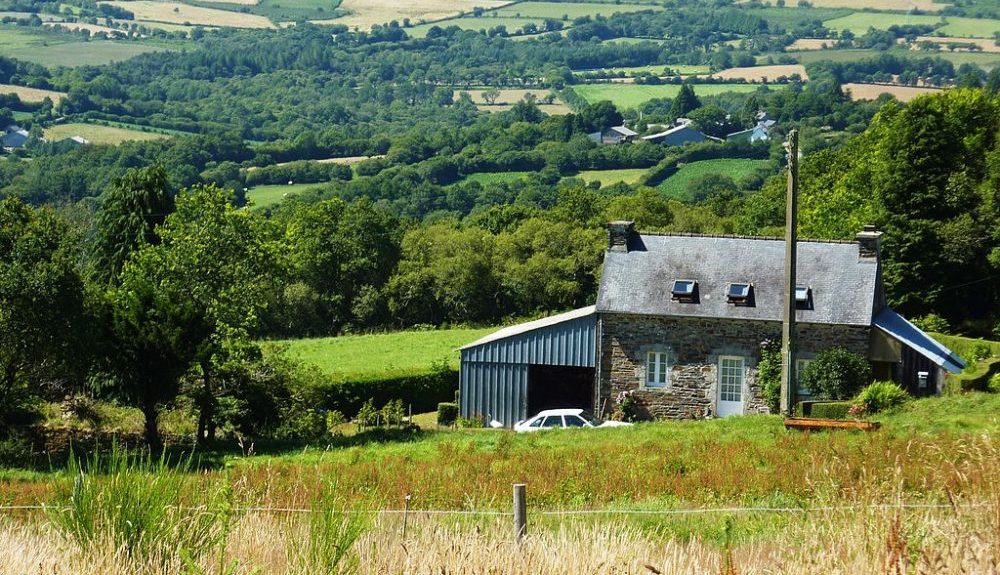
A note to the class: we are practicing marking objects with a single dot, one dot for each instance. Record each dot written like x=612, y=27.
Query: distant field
x=569, y=10
x=363, y=14
x=893, y=5
x=608, y=177
x=267, y=196
x=472, y=23
x=811, y=44
x=496, y=177
x=655, y=69
x=763, y=73
x=508, y=98
x=873, y=91
x=635, y=40
x=984, y=44
x=792, y=16
x=53, y=49
x=31, y=94
x=631, y=95
x=92, y=28
x=98, y=134
x=175, y=13
x=860, y=22
x=401, y=352
x=736, y=168
x=808, y=56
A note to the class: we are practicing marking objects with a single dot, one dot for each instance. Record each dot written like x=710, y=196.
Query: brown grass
x=811, y=44
x=873, y=91
x=366, y=13
x=985, y=44
x=176, y=13
x=963, y=539
x=509, y=97
x=31, y=94
x=762, y=73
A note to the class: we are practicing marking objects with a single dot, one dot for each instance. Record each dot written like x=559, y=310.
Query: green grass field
x=472, y=23
x=860, y=22
x=568, y=10
x=656, y=69
x=789, y=17
x=381, y=354
x=736, y=168
x=985, y=60
x=627, y=96
x=608, y=177
x=267, y=196
x=495, y=177
x=53, y=49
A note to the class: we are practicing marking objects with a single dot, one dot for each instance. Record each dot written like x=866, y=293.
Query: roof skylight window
x=739, y=293
x=684, y=290
x=803, y=297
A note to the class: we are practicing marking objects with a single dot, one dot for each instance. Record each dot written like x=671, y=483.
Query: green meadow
x=627, y=96
x=676, y=186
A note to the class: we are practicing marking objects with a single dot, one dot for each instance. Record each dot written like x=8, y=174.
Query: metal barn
x=521, y=370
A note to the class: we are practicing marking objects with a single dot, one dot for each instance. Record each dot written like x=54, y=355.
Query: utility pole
x=788, y=387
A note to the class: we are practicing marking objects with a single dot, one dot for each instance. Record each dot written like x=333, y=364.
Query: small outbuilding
x=682, y=133
x=15, y=136
x=614, y=135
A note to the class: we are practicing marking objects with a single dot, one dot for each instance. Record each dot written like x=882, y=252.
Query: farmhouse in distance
x=679, y=323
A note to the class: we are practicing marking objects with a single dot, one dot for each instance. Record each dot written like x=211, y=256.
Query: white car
x=563, y=419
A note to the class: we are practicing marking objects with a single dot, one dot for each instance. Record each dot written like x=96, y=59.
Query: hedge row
x=703, y=151
x=422, y=391
x=831, y=410
x=974, y=380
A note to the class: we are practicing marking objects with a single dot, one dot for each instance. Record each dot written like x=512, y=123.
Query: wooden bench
x=809, y=423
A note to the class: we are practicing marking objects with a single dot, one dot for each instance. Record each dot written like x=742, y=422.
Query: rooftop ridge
x=739, y=237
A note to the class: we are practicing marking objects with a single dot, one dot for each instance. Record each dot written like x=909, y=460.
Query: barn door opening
x=557, y=386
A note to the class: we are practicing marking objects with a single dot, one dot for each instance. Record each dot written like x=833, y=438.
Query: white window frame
x=659, y=376
x=742, y=375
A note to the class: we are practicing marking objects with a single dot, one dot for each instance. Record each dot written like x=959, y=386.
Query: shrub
x=769, y=374
x=993, y=386
x=836, y=374
x=367, y=416
x=393, y=413
x=981, y=351
x=933, y=322
x=831, y=410
x=469, y=422
x=447, y=413
x=881, y=396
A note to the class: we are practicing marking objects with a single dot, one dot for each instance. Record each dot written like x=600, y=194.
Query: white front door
x=731, y=370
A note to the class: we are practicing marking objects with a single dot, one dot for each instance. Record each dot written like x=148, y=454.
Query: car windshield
x=589, y=418
x=553, y=421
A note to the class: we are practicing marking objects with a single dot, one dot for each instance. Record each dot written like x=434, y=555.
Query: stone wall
x=694, y=346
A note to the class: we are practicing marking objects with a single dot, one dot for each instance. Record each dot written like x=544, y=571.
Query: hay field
x=176, y=13
x=986, y=45
x=363, y=14
x=99, y=134
x=508, y=98
x=763, y=73
x=92, y=28
x=811, y=44
x=31, y=94
x=873, y=91
x=609, y=177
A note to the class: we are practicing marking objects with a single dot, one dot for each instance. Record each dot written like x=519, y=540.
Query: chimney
x=869, y=240
x=618, y=235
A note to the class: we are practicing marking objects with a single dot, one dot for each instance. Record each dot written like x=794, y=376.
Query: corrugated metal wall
x=493, y=377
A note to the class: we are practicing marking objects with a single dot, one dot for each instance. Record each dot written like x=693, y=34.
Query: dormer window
x=803, y=297
x=739, y=293
x=684, y=290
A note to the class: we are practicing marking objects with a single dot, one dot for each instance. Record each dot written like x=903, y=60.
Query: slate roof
x=624, y=131
x=896, y=325
x=639, y=281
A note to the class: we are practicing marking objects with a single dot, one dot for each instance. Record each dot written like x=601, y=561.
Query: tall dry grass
x=964, y=539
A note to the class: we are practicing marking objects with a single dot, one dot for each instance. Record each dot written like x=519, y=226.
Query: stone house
x=679, y=322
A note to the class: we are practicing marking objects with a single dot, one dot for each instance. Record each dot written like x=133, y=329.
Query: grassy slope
x=608, y=177
x=485, y=178
x=676, y=185
x=380, y=354
x=54, y=49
